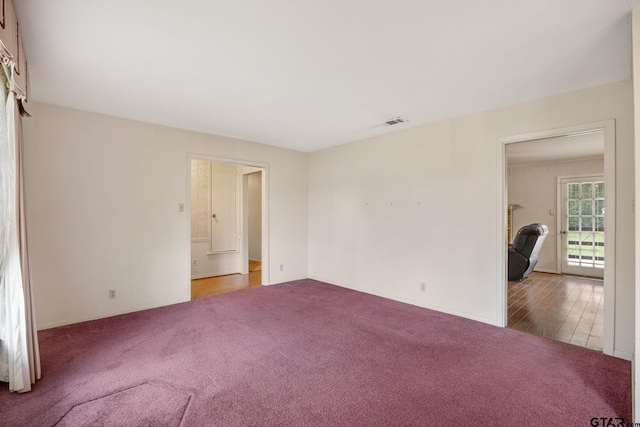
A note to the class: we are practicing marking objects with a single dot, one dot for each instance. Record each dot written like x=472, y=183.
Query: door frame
x=265, y=212
x=560, y=210
x=244, y=267
x=608, y=129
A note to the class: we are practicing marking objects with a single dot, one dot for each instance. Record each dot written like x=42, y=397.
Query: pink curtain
x=31, y=336
x=19, y=353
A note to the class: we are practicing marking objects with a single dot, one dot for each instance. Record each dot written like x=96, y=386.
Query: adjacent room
x=226, y=207
x=558, y=184
x=311, y=213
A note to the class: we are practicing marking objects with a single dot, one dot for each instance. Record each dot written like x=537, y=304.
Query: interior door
x=224, y=233
x=582, y=231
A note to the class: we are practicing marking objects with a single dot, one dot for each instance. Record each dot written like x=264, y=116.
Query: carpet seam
x=184, y=413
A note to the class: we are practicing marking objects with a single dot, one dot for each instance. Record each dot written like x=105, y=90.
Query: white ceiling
x=311, y=74
x=558, y=149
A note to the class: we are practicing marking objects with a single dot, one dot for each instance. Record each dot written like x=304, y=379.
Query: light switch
x=180, y=207
x=552, y=212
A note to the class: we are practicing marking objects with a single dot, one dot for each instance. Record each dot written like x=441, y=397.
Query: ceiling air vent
x=394, y=121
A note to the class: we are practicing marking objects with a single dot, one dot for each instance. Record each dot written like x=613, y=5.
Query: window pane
x=599, y=223
x=585, y=224
x=599, y=252
x=573, y=191
x=587, y=239
x=573, y=207
x=574, y=223
x=586, y=252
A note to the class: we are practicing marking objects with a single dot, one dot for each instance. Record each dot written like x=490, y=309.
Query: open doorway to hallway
x=227, y=216
x=558, y=181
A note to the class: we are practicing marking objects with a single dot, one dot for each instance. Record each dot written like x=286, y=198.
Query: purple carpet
x=307, y=353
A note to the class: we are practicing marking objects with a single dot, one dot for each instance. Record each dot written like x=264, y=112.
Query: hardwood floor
x=232, y=282
x=564, y=308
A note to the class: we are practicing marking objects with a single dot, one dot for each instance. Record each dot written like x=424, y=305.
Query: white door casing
x=609, y=129
x=264, y=168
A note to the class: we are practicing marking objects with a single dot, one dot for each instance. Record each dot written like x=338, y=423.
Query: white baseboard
x=203, y=276
x=412, y=302
x=107, y=314
x=544, y=270
x=623, y=355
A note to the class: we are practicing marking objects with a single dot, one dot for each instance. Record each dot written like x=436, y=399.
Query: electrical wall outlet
x=194, y=263
x=281, y=267
x=112, y=293
x=423, y=287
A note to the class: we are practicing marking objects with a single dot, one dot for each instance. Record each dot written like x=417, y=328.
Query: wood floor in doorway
x=231, y=282
x=564, y=308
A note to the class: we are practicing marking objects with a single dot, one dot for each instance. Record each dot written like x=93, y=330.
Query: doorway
x=595, y=249
x=228, y=224
x=252, y=212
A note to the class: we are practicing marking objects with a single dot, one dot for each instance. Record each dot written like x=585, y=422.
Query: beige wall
x=421, y=205
x=534, y=188
x=102, y=196
x=380, y=215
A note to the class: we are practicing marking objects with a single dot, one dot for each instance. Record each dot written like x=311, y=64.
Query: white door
x=224, y=231
x=582, y=228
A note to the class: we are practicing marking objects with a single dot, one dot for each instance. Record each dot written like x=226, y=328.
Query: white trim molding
x=608, y=128
x=265, y=211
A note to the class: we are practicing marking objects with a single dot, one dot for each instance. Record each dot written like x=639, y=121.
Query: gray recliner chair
x=523, y=252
